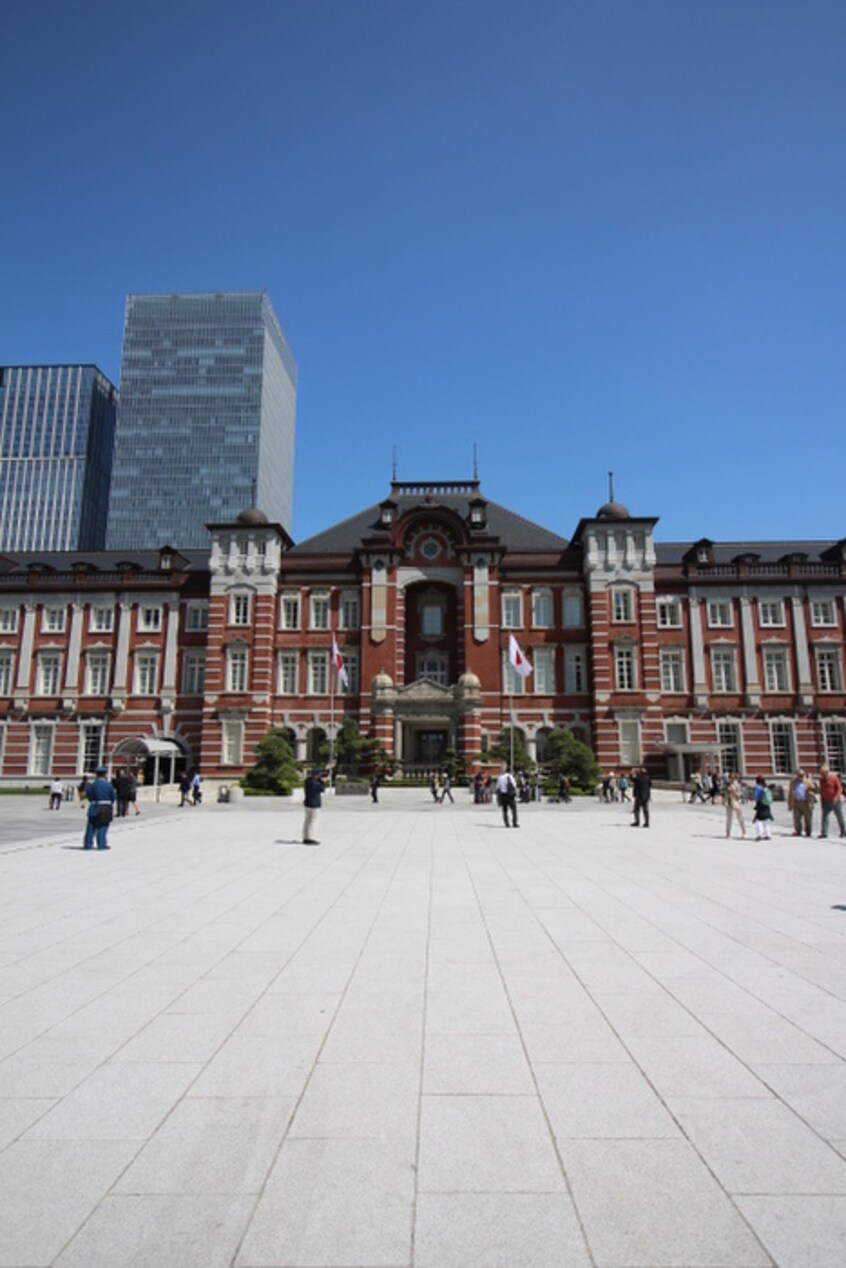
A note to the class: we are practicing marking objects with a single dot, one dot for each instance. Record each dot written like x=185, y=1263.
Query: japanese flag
x=338, y=662
x=518, y=660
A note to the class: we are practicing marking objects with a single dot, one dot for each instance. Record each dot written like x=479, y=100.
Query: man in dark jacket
x=312, y=798
x=101, y=798
x=642, y=789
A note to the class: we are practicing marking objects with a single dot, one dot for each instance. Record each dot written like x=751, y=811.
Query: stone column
x=752, y=682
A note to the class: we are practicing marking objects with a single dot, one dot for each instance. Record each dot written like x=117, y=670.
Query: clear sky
x=581, y=235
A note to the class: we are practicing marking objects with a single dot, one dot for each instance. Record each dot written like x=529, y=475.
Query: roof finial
x=394, y=465
x=475, y=463
x=610, y=486
x=253, y=491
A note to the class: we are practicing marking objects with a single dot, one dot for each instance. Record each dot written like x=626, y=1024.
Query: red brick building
x=670, y=654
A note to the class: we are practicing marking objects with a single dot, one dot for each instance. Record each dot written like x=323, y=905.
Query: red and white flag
x=518, y=660
x=337, y=661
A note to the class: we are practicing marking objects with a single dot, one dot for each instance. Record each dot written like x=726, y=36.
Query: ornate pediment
x=425, y=689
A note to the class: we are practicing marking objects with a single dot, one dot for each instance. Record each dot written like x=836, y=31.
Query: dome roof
x=382, y=680
x=469, y=681
x=252, y=517
x=613, y=511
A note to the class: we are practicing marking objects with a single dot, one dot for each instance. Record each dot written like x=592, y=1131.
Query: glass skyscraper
x=57, y=430
x=206, y=419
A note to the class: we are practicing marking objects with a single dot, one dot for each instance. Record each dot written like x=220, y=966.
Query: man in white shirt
x=506, y=792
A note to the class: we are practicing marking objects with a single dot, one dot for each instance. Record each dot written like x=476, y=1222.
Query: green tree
x=453, y=765
x=275, y=769
x=502, y=749
x=565, y=755
x=348, y=747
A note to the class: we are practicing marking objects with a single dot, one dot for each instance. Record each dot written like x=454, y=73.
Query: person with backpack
x=506, y=792
x=763, y=815
x=101, y=803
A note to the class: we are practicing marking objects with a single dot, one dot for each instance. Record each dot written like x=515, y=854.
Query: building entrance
x=429, y=747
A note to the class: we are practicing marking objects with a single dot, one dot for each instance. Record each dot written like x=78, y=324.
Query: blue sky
x=581, y=236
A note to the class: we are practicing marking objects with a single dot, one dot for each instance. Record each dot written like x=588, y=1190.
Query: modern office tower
x=206, y=419
x=57, y=430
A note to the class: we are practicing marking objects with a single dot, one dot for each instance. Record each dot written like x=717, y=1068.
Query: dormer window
x=166, y=560
x=388, y=514
x=478, y=513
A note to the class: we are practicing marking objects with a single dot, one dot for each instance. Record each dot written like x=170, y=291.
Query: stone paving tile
x=359, y=1100
x=595, y=1101
x=149, y=1232
x=118, y=1102
x=693, y=1066
x=339, y=1202
x=47, y=1190
x=760, y=1147
x=653, y=1204
x=816, y=1093
x=211, y=1145
x=498, y=1230
x=259, y=1066
x=19, y=1113
x=476, y=1064
x=483, y=1144
x=799, y=1232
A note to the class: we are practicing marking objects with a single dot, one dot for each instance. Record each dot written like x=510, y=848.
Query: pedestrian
x=478, y=788
x=714, y=788
x=697, y=788
x=312, y=798
x=446, y=791
x=506, y=795
x=564, y=789
x=101, y=801
x=763, y=810
x=184, y=788
x=433, y=788
x=132, y=794
x=56, y=794
x=733, y=798
x=196, y=788
x=642, y=790
x=374, y=787
x=623, y=785
x=831, y=798
x=121, y=787
x=800, y=800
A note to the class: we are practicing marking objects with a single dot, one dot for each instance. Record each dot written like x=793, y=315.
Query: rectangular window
x=53, y=620
x=290, y=612
x=351, y=666
x=41, y=749
x=723, y=669
x=512, y=610
x=319, y=611
x=2, y=743
x=6, y=673
x=432, y=620
x=776, y=673
x=834, y=740
x=288, y=673
x=630, y=742
x=512, y=683
x=542, y=609
x=829, y=671
x=783, y=748
x=544, y=670
x=49, y=675
x=149, y=619
x=232, y=742
x=622, y=606
x=574, y=671
x=350, y=611
x=318, y=673
x=573, y=617
x=731, y=753
x=146, y=673
x=672, y=670
x=97, y=674
x=101, y=620
x=720, y=615
x=197, y=617
x=823, y=613
x=194, y=673
x=624, y=668
x=770, y=612
x=8, y=620
x=90, y=746
x=237, y=660
x=669, y=614
x=676, y=732
x=239, y=609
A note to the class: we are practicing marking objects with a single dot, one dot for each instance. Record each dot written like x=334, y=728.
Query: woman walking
x=734, y=810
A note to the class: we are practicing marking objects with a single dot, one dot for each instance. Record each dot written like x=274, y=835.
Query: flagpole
x=511, y=705
x=331, y=722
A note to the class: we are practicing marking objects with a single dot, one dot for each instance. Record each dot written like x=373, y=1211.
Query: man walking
x=800, y=800
x=642, y=789
x=506, y=791
x=312, y=797
x=101, y=799
x=831, y=797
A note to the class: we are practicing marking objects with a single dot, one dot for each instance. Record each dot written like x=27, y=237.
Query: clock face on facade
x=430, y=549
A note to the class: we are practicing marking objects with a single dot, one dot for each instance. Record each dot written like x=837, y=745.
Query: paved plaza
x=428, y=1042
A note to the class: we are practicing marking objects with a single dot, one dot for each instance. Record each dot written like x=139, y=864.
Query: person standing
x=313, y=799
x=56, y=794
x=101, y=801
x=642, y=790
x=374, y=787
x=446, y=790
x=831, y=797
x=184, y=788
x=763, y=810
x=506, y=791
x=121, y=786
x=196, y=788
x=733, y=801
x=800, y=800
